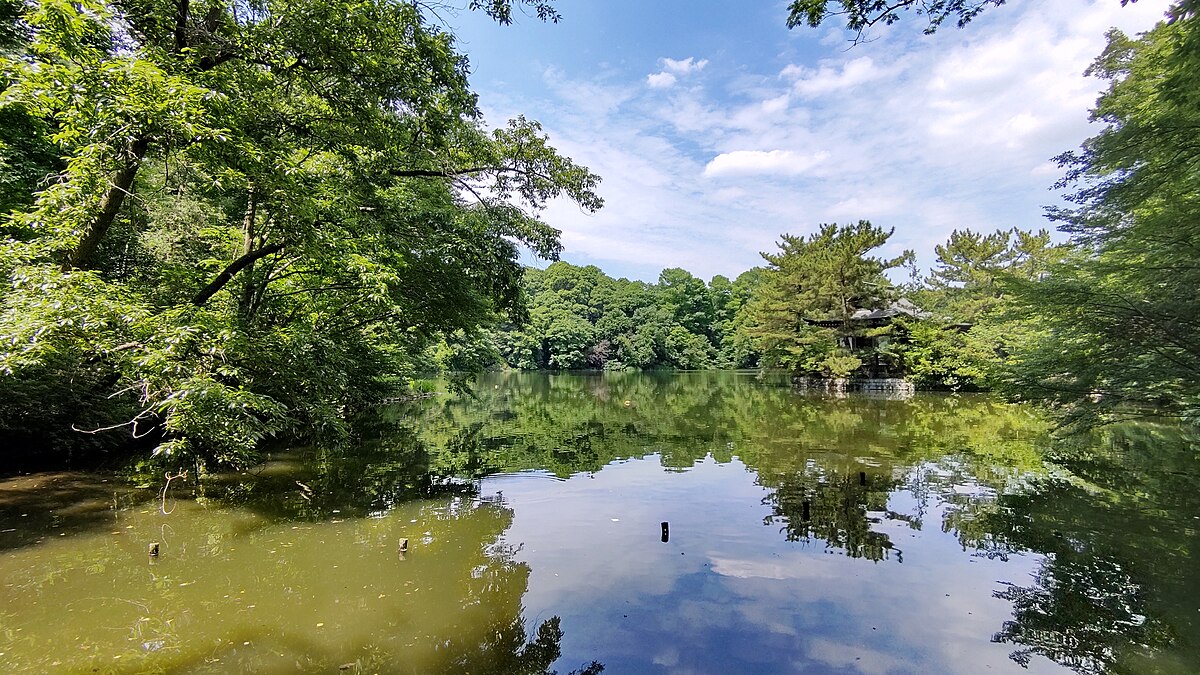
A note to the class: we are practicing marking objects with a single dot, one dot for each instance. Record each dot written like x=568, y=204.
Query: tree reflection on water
x=1107, y=521
x=835, y=509
x=1115, y=535
x=1102, y=512
x=297, y=569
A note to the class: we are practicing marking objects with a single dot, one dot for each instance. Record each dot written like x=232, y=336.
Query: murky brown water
x=233, y=590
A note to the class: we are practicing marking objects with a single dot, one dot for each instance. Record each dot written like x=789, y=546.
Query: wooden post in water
x=152, y=549
x=402, y=548
x=666, y=532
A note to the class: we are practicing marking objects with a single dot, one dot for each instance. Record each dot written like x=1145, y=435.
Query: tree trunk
x=182, y=8
x=110, y=205
x=248, y=235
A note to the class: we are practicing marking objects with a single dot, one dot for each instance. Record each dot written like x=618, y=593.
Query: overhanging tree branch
x=231, y=270
x=451, y=173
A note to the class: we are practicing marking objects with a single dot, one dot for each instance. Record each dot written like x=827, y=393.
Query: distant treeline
x=581, y=318
x=802, y=312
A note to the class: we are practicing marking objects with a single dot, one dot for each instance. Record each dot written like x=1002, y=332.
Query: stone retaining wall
x=889, y=387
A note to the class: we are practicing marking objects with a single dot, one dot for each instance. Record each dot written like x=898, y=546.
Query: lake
x=639, y=523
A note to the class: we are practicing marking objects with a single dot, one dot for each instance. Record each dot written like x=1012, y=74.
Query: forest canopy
x=233, y=221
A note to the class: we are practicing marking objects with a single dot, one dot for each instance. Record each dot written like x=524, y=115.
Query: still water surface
x=858, y=535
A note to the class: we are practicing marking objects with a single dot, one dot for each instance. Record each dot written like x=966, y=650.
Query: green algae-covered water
x=939, y=534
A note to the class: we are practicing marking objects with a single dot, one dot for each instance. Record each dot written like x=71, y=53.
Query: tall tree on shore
x=1117, y=326
x=265, y=211
x=967, y=295
x=826, y=276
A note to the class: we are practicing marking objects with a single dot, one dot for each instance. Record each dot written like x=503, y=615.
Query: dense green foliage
x=966, y=337
x=801, y=313
x=825, y=277
x=261, y=217
x=580, y=318
x=1116, y=327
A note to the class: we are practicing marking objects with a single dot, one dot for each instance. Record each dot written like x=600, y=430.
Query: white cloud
x=866, y=204
x=926, y=135
x=775, y=105
x=684, y=66
x=1047, y=170
x=832, y=77
x=758, y=162
x=729, y=194
x=660, y=80
x=691, y=114
x=588, y=99
x=833, y=37
x=673, y=70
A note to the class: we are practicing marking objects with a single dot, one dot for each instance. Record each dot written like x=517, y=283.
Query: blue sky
x=715, y=128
